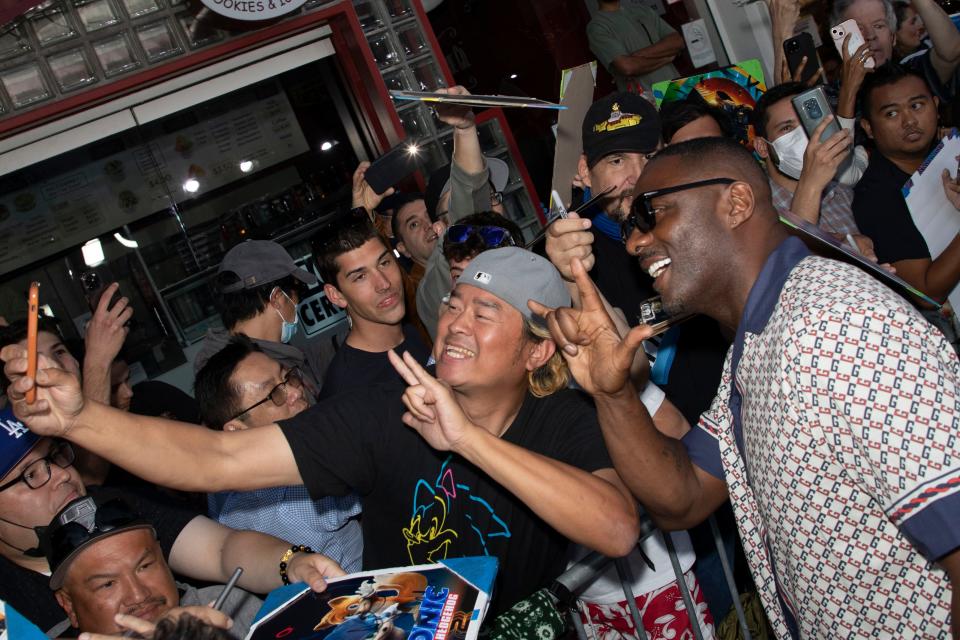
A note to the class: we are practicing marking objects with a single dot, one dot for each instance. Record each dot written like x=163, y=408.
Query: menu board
x=75, y=205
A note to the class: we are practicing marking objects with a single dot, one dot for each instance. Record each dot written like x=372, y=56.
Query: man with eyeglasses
x=242, y=388
x=37, y=479
x=833, y=432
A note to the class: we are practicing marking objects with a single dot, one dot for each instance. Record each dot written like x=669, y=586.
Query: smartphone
x=812, y=107
x=33, y=309
x=652, y=313
x=795, y=49
x=93, y=288
x=393, y=166
x=839, y=32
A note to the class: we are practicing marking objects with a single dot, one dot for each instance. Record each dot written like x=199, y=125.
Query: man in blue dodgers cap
x=38, y=479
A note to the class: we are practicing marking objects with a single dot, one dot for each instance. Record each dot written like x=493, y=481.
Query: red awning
x=10, y=9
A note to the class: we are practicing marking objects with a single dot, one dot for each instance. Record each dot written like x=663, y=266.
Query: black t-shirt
x=355, y=369
x=421, y=505
x=29, y=592
x=881, y=213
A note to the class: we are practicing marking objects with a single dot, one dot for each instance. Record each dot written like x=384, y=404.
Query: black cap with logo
x=620, y=123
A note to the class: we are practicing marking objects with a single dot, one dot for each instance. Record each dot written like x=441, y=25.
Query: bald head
x=702, y=158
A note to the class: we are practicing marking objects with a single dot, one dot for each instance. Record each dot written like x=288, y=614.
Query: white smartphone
x=839, y=32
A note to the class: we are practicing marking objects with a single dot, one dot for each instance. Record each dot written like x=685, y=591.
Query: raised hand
x=598, y=358
x=59, y=397
x=432, y=410
x=951, y=188
x=107, y=329
x=457, y=116
x=822, y=159
x=568, y=239
x=854, y=71
x=363, y=194
x=145, y=629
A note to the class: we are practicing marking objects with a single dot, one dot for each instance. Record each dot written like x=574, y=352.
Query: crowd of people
x=491, y=398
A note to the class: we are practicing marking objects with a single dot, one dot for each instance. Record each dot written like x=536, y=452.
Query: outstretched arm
x=165, y=452
x=592, y=509
x=656, y=468
x=943, y=35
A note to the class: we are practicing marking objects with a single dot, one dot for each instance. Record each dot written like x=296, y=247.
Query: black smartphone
x=93, y=288
x=795, y=49
x=812, y=107
x=392, y=167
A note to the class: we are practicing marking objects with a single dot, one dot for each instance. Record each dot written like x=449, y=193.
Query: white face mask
x=789, y=149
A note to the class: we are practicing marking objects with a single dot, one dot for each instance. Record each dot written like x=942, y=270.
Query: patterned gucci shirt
x=835, y=428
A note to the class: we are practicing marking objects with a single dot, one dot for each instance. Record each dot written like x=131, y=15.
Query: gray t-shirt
x=622, y=32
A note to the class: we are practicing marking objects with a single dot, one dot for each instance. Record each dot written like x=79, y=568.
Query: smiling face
x=369, y=284
x=682, y=252
x=619, y=170
x=871, y=17
x=417, y=236
x=35, y=507
x=911, y=30
x=122, y=573
x=480, y=342
x=902, y=118
x=253, y=379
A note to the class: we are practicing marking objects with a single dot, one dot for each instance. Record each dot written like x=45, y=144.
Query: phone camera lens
x=813, y=109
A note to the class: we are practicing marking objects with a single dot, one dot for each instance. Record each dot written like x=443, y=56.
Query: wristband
x=297, y=548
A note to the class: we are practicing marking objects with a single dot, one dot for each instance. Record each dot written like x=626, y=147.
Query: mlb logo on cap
x=481, y=276
x=16, y=440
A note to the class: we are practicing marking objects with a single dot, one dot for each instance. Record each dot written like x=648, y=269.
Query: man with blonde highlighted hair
x=500, y=459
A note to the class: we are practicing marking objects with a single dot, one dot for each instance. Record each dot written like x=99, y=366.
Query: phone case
x=392, y=167
x=795, y=49
x=812, y=107
x=839, y=32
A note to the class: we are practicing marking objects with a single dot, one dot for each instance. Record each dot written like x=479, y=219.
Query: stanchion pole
x=728, y=574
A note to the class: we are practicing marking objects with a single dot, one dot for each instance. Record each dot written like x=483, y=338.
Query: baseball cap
x=621, y=122
x=259, y=262
x=439, y=182
x=80, y=524
x=16, y=441
x=516, y=275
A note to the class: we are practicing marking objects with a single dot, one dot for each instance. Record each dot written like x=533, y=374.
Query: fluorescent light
x=246, y=166
x=129, y=244
x=92, y=253
x=191, y=185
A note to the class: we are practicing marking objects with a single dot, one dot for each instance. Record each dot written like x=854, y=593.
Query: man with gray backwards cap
x=514, y=466
x=257, y=290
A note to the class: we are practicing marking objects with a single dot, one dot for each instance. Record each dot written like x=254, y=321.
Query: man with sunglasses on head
x=107, y=568
x=475, y=234
x=362, y=276
x=242, y=388
x=833, y=431
x=38, y=479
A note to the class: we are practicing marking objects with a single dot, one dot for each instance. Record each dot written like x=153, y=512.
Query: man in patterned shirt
x=240, y=387
x=834, y=429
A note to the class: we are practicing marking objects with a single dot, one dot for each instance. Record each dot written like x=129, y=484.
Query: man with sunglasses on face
x=833, y=431
x=242, y=388
x=38, y=479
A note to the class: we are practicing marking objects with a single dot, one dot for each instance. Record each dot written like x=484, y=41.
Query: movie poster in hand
x=734, y=90
x=424, y=602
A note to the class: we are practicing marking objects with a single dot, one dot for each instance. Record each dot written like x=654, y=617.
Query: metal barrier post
x=684, y=590
x=625, y=574
x=728, y=574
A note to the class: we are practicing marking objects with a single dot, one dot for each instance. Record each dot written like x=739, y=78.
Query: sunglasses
x=278, y=395
x=643, y=217
x=492, y=236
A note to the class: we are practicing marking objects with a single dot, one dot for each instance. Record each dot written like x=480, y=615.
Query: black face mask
x=33, y=552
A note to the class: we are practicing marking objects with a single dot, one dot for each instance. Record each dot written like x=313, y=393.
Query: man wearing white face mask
x=257, y=289
x=801, y=172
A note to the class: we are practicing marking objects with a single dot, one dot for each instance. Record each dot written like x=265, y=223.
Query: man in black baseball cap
x=619, y=133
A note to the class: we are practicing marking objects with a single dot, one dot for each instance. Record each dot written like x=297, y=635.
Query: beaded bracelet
x=297, y=548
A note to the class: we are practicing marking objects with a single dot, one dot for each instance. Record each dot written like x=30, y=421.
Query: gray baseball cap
x=260, y=262
x=516, y=275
